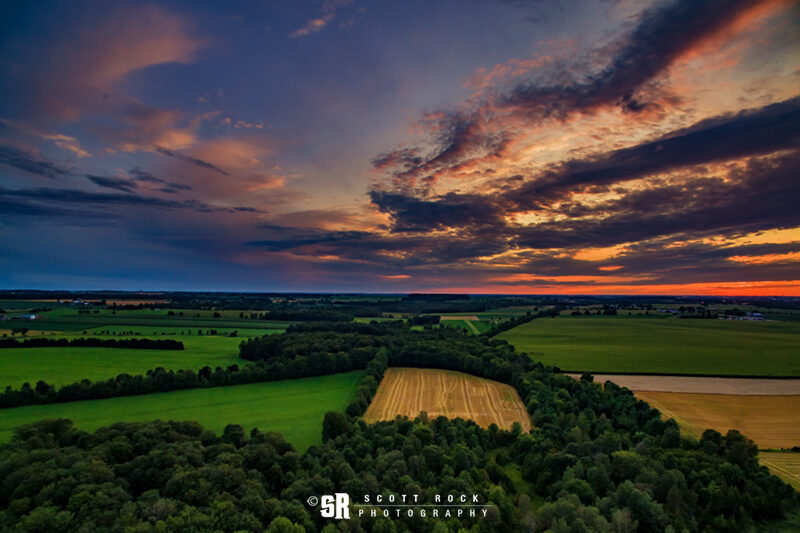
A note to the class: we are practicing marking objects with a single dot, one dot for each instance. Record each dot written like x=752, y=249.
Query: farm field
x=738, y=386
x=784, y=464
x=468, y=324
x=773, y=422
x=294, y=408
x=60, y=366
x=407, y=391
x=69, y=319
x=658, y=345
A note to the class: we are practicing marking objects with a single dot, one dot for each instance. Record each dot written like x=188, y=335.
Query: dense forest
x=597, y=460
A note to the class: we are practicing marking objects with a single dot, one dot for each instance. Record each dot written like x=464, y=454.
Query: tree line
x=524, y=319
x=309, y=350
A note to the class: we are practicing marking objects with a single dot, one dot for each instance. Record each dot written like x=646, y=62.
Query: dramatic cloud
x=627, y=81
x=30, y=163
x=662, y=35
x=450, y=210
x=754, y=132
x=769, y=129
x=620, y=147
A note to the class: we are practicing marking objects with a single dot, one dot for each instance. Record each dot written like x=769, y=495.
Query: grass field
x=407, y=391
x=783, y=464
x=660, y=345
x=771, y=421
x=292, y=407
x=60, y=366
x=68, y=319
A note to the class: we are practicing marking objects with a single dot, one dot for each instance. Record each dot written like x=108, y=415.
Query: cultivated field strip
x=408, y=391
x=771, y=421
x=738, y=386
x=785, y=465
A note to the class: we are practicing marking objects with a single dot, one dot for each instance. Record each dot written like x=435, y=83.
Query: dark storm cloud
x=118, y=184
x=30, y=163
x=193, y=160
x=450, y=210
x=752, y=132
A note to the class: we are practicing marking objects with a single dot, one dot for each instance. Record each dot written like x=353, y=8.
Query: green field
x=680, y=346
x=292, y=407
x=475, y=327
x=69, y=319
x=60, y=366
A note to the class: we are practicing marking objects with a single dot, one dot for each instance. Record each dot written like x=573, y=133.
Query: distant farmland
x=60, y=366
x=771, y=421
x=407, y=391
x=292, y=407
x=658, y=345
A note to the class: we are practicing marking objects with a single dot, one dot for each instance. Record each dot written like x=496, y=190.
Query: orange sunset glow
x=616, y=148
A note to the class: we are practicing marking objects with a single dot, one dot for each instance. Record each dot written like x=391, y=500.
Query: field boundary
x=673, y=374
x=705, y=385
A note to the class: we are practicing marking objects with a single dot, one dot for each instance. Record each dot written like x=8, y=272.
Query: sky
x=478, y=146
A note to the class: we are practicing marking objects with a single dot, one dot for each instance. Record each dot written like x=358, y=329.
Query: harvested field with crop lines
x=408, y=391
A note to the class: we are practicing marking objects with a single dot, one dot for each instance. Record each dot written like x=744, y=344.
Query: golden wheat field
x=408, y=391
x=771, y=421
